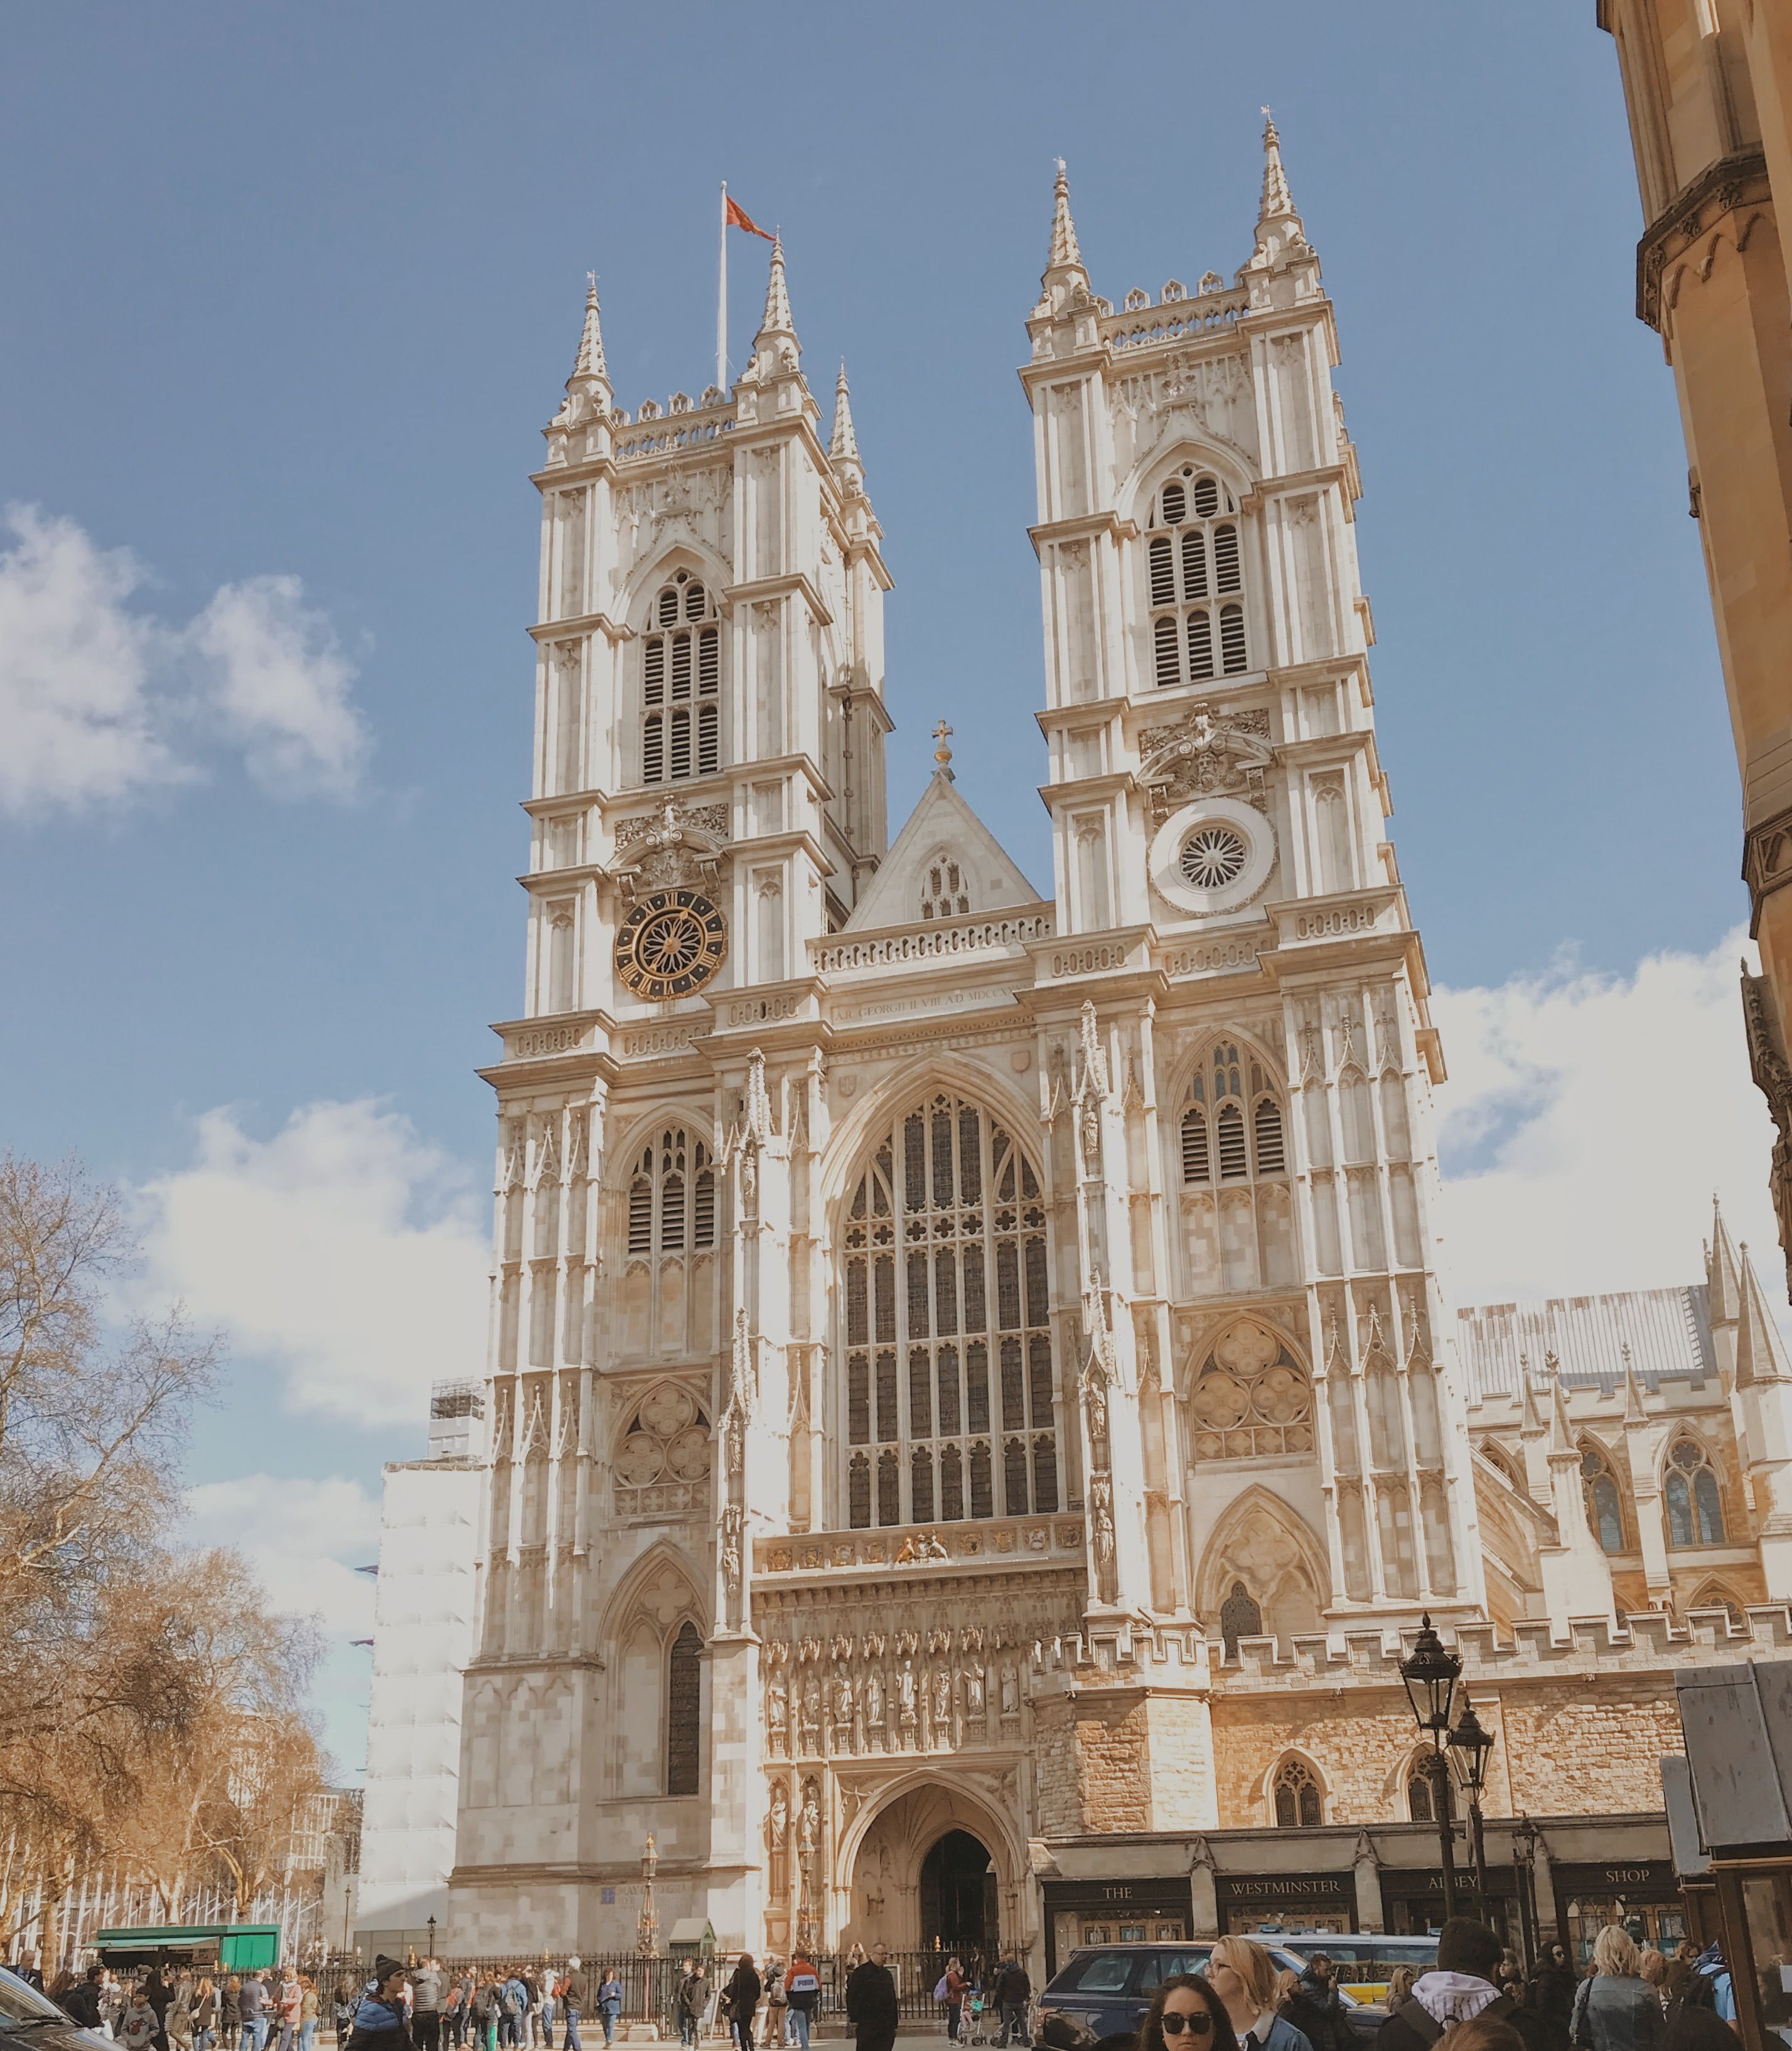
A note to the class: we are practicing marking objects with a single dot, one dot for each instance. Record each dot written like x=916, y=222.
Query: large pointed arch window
x=1196, y=577
x=950, y=1384
x=681, y=684
x=1296, y=1797
x=1695, y=1505
x=684, y=1714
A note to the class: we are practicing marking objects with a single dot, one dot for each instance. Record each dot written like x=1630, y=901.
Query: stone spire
x=1278, y=201
x=1280, y=238
x=1065, y=255
x=1722, y=1276
x=843, y=448
x=1760, y=1356
x=777, y=319
x=590, y=364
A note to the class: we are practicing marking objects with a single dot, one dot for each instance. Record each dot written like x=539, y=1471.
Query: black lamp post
x=1430, y=1674
x=1524, y=1836
x=1471, y=1747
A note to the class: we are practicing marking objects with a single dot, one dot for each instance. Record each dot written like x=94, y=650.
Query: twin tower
x=935, y=1322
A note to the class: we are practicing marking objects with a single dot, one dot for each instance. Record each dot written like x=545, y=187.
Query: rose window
x=1212, y=857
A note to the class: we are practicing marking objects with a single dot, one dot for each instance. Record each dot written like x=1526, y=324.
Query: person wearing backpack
x=689, y=2001
x=776, y=2005
x=572, y=2001
x=513, y=2005
x=1460, y=1988
x=802, y=1989
x=952, y=1989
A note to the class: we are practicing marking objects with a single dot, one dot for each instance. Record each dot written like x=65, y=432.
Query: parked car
x=30, y=2019
x=1364, y=1961
x=1097, y=1999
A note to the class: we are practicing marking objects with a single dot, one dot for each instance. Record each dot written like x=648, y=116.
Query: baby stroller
x=982, y=2023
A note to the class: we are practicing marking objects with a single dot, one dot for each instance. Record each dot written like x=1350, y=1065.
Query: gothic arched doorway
x=958, y=1905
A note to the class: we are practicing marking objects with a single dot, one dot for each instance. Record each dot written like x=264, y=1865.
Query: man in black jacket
x=1013, y=1990
x=82, y=2002
x=870, y=2002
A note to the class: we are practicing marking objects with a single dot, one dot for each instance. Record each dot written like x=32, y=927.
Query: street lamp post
x=1524, y=1837
x=1430, y=1674
x=646, y=1929
x=1471, y=1747
x=431, y=1921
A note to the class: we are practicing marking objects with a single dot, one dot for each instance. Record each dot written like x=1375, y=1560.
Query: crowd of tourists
x=1477, y=1995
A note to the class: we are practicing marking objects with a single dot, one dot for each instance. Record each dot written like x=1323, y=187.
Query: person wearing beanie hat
x=381, y=2023
x=1460, y=1988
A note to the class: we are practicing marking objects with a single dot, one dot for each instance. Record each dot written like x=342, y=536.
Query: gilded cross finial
x=942, y=751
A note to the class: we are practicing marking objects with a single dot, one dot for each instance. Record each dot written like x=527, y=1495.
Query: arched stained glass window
x=1605, y=1509
x=1298, y=1805
x=950, y=1381
x=1421, y=1792
x=684, y=1710
x=1695, y=1505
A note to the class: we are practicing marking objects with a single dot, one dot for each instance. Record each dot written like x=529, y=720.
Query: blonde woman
x=1616, y=2009
x=1243, y=1975
x=1399, y=1987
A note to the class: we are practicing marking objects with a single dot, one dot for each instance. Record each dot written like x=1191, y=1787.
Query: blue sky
x=291, y=291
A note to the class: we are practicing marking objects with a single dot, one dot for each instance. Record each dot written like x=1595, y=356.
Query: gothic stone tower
x=931, y=1321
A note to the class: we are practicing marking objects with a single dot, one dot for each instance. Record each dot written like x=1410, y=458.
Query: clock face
x=671, y=944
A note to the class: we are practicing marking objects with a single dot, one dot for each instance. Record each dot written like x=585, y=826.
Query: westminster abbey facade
x=972, y=1405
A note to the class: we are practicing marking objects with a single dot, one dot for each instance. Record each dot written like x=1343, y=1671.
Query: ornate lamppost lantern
x=1471, y=1748
x=1430, y=1672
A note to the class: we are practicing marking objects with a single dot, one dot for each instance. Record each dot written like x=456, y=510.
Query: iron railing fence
x=648, y=1985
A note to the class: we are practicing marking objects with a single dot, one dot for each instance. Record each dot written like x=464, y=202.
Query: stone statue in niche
x=812, y=1714
x=905, y=1701
x=780, y=1814
x=974, y=1697
x=842, y=1710
x=777, y=1716
x=872, y=1695
x=1011, y=1689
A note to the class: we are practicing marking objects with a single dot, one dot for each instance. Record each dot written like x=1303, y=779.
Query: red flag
x=737, y=216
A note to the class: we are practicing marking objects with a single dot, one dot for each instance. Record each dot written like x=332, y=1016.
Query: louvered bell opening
x=653, y=751
x=1232, y=1166
x=1271, y=1160
x=1194, y=564
x=1195, y=1165
x=1226, y=559
x=709, y=740
x=653, y=673
x=668, y=606
x=1162, y=572
x=702, y=1216
x=640, y=1216
x=1164, y=634
x=1231, y=639
x=681, y=743
x=1200, y=645
x=681, y=665
x=695, y=601
x=1176, y=505
x=709, y=662
x=1207, y=497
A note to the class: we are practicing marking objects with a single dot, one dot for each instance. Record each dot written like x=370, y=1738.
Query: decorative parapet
x=1733, y=184
x=921, y=1548
x=1177, y=318
x=933, y=942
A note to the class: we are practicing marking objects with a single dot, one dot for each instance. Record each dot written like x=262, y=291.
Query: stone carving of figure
x=942, y=1702
x=812, y=1713
x=780, y=1814
x=842, y=1706
x=1100, y=1496
x=777, y=1716
x=872, y=1695
x=808, y=1823
x=973, y=1695
x=906, y=1696
x=1011, y=1689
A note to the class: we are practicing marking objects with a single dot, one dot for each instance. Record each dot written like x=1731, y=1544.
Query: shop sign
x=1234, y=1889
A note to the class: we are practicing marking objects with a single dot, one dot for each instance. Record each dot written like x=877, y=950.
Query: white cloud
x=344, y=1249
x=1587, y=1123
x=281, y=688
x=81, y=724
x=101, y=700
x=304, y=1539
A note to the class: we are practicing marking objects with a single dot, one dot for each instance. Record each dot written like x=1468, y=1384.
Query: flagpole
x=722, y=297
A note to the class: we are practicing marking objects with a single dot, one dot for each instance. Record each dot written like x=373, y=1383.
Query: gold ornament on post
x=646, y=1929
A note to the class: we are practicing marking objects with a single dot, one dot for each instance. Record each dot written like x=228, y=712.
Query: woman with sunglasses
x=1186, y=2014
